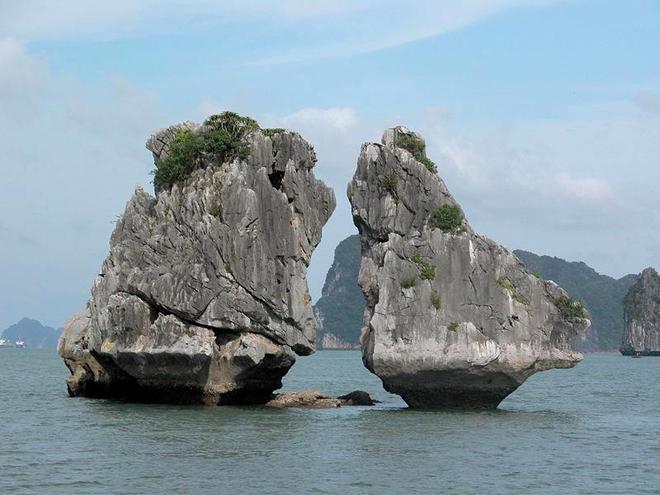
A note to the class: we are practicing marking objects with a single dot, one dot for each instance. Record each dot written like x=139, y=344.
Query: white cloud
x=589, y=189
x=361, y=26
x=337, y=118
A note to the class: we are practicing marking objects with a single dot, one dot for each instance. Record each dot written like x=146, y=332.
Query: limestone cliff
x=642, y=316
x=453, y=319
x=203, y=297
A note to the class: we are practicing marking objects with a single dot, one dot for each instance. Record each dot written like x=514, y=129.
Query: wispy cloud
x=588, y=189
x=323, y=28
x=337, y=118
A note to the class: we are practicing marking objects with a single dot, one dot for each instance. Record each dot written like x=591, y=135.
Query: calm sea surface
x=591, y=430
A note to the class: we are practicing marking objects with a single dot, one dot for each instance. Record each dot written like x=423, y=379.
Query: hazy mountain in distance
x=602, y=295
x=35, y=335
x=340, y=308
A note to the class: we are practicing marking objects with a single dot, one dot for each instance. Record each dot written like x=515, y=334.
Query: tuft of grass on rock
x=216, y=210
x=427, y=271
x=506, y=284
x=453, y=326
x=435, y=300
x=389, y=183
x=408, y=282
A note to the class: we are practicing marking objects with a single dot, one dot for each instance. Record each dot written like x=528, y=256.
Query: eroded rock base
x=453, y=389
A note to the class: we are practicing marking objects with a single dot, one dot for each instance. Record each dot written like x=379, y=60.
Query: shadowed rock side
x=203, y=297
x=452, y=318
x=642, y=316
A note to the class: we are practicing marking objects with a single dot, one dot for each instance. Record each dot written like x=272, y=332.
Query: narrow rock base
x=453, y=390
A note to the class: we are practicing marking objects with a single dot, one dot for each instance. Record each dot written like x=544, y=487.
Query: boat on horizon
x=20, y=344
x=5, y=344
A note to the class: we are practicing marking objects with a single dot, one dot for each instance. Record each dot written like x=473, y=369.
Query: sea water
x=594, y=429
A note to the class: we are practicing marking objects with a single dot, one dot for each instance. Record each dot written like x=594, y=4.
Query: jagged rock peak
x=203, y=296
x=452, y=318
x=642, y=316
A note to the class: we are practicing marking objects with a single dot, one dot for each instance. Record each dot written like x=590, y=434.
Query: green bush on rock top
x=222, y=138
x=417, y=148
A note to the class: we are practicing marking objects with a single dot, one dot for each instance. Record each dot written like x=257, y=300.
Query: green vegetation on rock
x=506, y=284
x=569, y=308
x=408, y=282
x=447, y=218
x=184, y=153
x=389, y=183
x=216, y=210
x=271, y=131
x=601, y=295
x=435, y=300
x=453, y=326
x=221, y=138
x=417, y=148
x=426, y=270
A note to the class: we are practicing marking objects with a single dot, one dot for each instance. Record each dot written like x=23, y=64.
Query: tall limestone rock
x=203, y=297
x=452, y=319
x=642, y=316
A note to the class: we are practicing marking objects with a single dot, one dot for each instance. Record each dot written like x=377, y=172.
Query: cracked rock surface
x=452, y=318
x=203, y=297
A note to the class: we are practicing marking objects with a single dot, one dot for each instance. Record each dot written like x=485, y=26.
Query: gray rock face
x=642, y=316
x=452, y=318
x=203, y=297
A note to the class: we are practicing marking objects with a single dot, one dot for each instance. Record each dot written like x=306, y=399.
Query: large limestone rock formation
x=203, y=297
x=452, y=318
x=642, y=316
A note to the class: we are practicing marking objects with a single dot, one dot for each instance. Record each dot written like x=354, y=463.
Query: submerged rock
x=452, y=318
x=642, y=316
x=203, y=297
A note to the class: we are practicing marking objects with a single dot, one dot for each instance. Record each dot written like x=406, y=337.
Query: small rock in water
x=318, y=400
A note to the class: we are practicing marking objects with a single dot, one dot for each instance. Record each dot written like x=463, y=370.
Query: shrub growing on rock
x=447, y=218
x=418, y=149
x=389, y=183
x=426, y=270
x=222, y=138
x=185, y=151
x=408, y=282
x=569, y=307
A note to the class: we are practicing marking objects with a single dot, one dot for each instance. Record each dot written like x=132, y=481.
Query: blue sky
x=543, y=117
